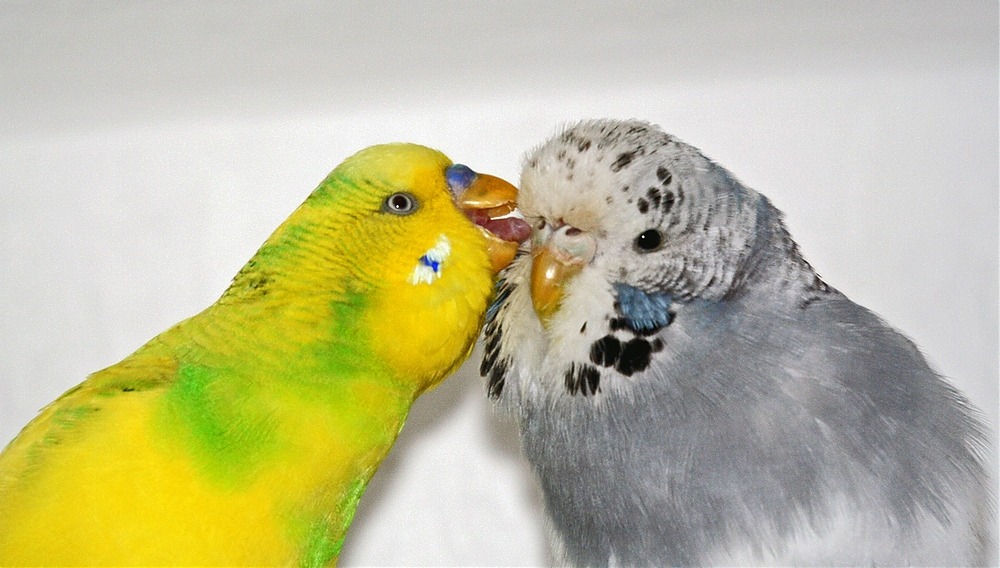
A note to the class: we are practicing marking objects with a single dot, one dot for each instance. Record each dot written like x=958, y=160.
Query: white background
x=147, y=149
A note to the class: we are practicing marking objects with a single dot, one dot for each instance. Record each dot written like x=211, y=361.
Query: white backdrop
x=147, y=149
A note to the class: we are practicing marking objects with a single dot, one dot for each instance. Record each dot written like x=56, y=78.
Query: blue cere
x=459, y=177
x=643, y=311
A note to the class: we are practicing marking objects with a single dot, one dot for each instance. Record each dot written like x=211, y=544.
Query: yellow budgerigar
x=246, y=434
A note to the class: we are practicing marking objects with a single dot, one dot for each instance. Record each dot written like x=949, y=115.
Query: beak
x=486, y=200
x=488, y=192
x=554, y=262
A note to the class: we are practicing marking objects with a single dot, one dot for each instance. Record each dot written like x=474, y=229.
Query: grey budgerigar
x=690, y=392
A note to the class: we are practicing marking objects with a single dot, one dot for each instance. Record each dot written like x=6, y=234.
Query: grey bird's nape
x=700, y=396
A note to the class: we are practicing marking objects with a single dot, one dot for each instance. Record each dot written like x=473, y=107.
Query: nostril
x=572, y=232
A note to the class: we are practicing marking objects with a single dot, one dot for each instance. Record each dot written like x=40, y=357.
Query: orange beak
x=554, y=262
x=485, y=200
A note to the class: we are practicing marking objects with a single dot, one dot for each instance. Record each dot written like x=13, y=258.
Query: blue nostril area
x=459, y=177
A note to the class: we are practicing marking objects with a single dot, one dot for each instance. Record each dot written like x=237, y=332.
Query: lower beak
x=501, y=252
x=485, y=199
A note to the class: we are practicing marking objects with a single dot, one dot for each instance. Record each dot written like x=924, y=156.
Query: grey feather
x=768, y=420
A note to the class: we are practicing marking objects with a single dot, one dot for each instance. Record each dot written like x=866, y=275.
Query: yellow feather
x=245, y=434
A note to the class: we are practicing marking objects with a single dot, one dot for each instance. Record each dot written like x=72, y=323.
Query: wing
x=66, y=419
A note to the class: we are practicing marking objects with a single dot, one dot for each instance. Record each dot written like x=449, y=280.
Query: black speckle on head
x=623, y=160
x=583, y=146
x=643, y=205
x=561, y=155
x=653, y=194
x=605, y=351
x=583, y=328
x=635, y=357
x=667, y=203
x=625, y=189
x=570, y=163
x=664, y=175
x=657, y=345
x=609, y=200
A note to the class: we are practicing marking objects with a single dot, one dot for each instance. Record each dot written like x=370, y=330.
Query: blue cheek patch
x=643, y=311
x=434, y=265
x=429, y=264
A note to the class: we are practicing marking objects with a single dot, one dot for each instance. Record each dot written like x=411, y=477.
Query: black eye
x=648, y=240
x=400, y=204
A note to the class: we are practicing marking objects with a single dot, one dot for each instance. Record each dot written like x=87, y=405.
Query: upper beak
x=554, y=262
x=488, y=192
x=485, y=198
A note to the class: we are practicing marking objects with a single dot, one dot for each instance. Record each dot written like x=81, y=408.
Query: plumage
x=690, y=392
x=246, y=434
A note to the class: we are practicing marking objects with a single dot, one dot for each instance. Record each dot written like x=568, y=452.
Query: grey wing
x=899, y=444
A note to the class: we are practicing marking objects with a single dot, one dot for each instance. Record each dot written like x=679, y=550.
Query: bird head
x=397, y=250
x=620, y=205
x=417, y=208
x=630, y=227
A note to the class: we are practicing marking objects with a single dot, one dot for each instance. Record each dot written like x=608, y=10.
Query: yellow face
x=383, y=235
x=406, y=211
x=434, y=277
x=425, y=265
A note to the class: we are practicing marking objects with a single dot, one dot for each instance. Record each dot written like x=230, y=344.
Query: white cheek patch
x=428, y=268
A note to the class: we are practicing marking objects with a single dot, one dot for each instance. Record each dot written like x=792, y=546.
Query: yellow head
x=383, y=251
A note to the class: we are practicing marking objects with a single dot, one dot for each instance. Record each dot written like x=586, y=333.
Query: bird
x=689, y=391
x=246, y=434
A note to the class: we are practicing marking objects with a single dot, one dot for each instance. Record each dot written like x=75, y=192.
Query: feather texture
x=701, y=396
x=246, y=434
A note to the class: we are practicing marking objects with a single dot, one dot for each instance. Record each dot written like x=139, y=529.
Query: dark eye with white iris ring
x=400, y=204
x=648, y=240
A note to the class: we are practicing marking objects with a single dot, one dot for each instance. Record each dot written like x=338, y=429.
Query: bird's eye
x=648, y=240
x=400, y=204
